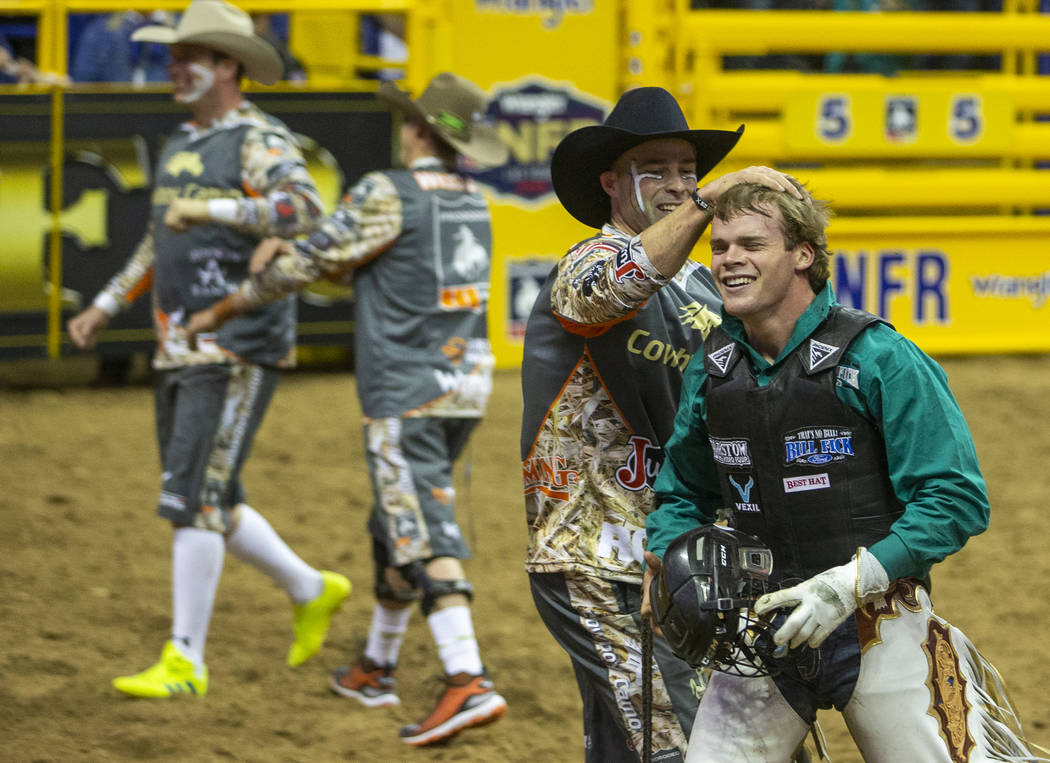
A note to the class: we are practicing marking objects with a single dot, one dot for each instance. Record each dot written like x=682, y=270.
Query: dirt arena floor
x=85, y=566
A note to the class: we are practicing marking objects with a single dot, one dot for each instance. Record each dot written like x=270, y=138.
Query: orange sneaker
x=370, y=684
x=467, y=701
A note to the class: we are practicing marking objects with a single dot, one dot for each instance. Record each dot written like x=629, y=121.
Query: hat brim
x=584, y=154
x=484, y=146
x=260, y=59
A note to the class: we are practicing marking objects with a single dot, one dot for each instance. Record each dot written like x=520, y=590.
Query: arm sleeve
x=602, y=282
x=366, y=223
x=930, y=452
x=282, y=199
x=686, y=489
x=132, y=281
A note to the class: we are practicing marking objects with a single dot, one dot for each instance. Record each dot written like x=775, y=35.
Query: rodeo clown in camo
x=417, y=243
x=606, y=344
x=224, y=180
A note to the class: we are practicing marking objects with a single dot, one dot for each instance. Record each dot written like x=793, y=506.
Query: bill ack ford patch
x=817, y=445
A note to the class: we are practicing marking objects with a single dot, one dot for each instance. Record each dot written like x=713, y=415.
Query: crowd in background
x=101, y=48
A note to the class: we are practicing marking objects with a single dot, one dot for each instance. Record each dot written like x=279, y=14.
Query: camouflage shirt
x=417, y=243
x=254, y=161
x=605, y=348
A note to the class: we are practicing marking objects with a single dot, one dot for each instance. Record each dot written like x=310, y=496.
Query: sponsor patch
x=626, y=268
x=548, y=476
x=809, y=482
x=847, y=377
x=731, y=452
x=818, y=445
x=184, y=161
x=743, y=484
x=699, y=317
x=721, y=357
x=641, y=465
x=818, y=352
x=591, y=278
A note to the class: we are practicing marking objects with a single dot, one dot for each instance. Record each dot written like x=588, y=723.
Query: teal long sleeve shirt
x=932, y=461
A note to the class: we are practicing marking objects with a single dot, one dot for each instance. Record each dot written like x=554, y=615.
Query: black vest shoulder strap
x=720, y=353
x=825, y=346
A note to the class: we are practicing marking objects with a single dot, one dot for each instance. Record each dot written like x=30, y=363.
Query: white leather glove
x=823, y=602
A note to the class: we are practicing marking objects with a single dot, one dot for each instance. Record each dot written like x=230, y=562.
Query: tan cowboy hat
x=220, y=26
x=453, y=106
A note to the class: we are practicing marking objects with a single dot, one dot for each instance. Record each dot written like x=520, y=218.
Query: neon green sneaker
x=174, y=675
x=313, y=617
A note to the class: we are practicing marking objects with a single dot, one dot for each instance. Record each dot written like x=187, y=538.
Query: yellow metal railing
x=684, y=50
x=931, y=173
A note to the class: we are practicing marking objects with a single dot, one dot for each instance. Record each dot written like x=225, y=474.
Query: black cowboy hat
x=642, y=114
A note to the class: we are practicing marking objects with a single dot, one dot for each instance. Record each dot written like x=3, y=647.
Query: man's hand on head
x=766, y=176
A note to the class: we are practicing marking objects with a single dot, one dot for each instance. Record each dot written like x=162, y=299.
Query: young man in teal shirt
x=837, y=442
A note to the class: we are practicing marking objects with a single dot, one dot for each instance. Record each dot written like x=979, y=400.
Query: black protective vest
x=799, y=469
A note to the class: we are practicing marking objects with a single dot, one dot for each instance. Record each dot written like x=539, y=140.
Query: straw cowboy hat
x=452, y=106
x=642, y=114
x=220, y=26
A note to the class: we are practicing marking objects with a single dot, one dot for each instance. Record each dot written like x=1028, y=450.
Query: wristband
x=223, y=210
x=702, y=205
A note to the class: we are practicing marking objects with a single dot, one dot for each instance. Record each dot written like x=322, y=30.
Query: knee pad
x=435, y=589
x=410, y=573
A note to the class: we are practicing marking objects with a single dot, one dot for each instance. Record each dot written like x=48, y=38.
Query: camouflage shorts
x=206, y=420
x=410, y=464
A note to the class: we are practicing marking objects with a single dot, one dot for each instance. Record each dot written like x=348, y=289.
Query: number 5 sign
x=835, y=119
x=920, y=121
x=966, y=121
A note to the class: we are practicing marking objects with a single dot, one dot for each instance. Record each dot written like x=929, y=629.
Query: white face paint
x=637, y=176
x=201, y=79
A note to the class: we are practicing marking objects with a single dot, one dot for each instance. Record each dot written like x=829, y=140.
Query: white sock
x=196, y=566
x=453, y=632
x=386, y=634
x=257, y=543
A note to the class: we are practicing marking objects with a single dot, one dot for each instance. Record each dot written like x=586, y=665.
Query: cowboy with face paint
x=612, y=330
x=224, y=180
